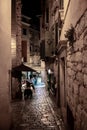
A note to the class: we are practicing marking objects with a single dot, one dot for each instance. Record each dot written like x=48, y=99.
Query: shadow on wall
x=70, y=119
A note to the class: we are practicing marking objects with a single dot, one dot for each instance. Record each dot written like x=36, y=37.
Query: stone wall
x=77, y=74
x=18, y=32
x=15, y=39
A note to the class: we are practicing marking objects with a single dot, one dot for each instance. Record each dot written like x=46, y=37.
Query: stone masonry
x=77, y=74
x=16, y=40
x=18, y=31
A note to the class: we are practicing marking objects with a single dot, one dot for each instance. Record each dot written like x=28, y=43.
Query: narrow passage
x=38, y=113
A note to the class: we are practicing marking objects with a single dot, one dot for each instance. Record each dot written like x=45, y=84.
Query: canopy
x=23, y=67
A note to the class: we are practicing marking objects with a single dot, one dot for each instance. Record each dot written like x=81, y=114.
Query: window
x=61, y=4
x=47, y=15
x=24, y=31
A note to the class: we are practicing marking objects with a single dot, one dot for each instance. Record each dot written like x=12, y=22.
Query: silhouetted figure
x=28, y=93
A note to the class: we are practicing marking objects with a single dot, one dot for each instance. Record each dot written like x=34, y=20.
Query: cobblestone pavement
x=38, y=113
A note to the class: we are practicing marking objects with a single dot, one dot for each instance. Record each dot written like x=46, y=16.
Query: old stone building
x=34, y=47
x=65, y=34
x=49, y=35
x=76, y=17
x=25, y=43
x=30, y=44
x=16, y=32
x=16, y=54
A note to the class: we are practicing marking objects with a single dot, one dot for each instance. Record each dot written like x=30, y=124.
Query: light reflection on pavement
x=36, y=113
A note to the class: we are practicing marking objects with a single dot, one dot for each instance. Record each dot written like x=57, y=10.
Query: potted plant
x=70, y=35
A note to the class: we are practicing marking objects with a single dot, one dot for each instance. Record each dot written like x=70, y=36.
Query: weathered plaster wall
x=5, y=63
x=75, y=11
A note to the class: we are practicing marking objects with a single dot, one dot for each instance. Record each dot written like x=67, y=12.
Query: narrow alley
x=38, y=113
x=43, y=41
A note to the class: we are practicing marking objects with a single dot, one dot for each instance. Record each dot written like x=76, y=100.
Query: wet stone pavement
x=38, y=113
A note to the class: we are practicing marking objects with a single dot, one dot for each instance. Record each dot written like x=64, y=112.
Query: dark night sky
x=31, y=8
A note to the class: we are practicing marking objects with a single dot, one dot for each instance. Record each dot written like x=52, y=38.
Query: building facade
x=16, y=49
x=30, y=44
x=63, y=31
x=49, y=36
x=25, y=43
x=75, y=17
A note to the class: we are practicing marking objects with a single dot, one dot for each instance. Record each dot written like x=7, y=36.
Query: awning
x=23, y=67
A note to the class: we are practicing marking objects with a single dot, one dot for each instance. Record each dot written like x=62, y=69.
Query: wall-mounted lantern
x=50, y=71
